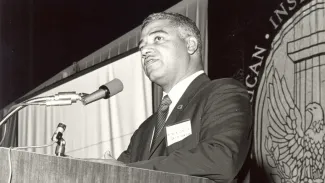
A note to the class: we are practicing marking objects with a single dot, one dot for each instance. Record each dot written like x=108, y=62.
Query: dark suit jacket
x=221, y=122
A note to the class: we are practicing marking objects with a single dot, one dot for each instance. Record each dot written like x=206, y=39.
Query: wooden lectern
x=30, y=167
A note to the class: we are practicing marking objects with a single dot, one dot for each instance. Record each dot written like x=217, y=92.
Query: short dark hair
x=187, y=26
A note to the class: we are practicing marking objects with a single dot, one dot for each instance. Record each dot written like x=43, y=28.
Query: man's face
x=164, y=54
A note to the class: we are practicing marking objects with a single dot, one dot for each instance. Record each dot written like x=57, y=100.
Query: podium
x=30, y=167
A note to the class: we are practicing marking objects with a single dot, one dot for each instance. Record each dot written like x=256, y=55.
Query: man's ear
x=192, y=45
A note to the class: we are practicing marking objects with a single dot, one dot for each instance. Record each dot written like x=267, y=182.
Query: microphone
x=57, y=135
x=105, y=91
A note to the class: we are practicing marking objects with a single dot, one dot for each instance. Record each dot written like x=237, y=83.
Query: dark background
x=40, y=38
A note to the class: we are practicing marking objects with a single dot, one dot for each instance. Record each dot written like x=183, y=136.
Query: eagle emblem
x=294, y=146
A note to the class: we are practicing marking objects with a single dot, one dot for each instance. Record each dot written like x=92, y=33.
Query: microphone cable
x=15, y=148
x=4, y=134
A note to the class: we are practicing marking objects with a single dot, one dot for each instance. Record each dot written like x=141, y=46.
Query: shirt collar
x=177, y=91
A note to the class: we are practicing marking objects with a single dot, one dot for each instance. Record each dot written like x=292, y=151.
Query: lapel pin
x=180, y=107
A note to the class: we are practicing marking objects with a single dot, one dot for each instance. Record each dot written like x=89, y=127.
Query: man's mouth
x=150, y=61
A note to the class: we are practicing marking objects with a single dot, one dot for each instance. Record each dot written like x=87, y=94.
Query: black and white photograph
x=184, y=91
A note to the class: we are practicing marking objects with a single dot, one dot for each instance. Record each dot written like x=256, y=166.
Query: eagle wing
x=286, y=136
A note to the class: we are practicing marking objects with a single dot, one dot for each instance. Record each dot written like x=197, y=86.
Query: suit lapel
x=189, y=93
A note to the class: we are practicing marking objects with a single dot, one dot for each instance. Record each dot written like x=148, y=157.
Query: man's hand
x=108, y=159
x=108, y=155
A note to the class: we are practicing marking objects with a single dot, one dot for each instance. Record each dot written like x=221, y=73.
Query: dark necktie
x=161, y=117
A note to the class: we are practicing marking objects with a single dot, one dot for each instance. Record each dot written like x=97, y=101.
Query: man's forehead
x=154, y=26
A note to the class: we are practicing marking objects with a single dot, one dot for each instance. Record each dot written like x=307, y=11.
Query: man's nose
x=146, y=51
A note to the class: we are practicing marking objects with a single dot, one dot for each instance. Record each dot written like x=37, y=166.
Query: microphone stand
x=60, y=147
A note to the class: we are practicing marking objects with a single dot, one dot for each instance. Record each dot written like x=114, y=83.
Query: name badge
x=178, y=132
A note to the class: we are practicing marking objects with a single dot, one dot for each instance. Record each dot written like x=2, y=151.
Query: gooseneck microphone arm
x=63, y=98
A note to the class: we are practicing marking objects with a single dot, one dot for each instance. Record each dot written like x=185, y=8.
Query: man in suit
x=202, y=127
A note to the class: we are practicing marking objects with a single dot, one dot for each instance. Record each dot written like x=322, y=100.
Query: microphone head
x=115, y=86
x=105, y=91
